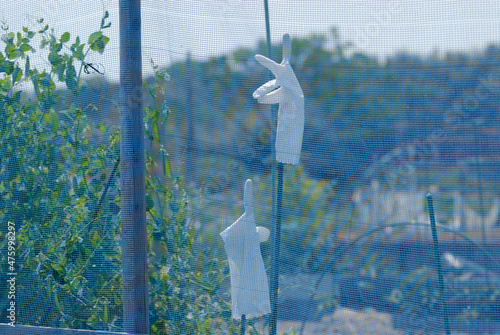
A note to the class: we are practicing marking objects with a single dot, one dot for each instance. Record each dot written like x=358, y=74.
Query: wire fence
x=128, y=130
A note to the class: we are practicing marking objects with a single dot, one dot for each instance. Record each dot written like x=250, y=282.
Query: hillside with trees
x=364, y=118
x=358, y=109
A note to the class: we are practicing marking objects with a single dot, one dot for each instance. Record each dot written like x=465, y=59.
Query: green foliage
x=52, y=177
x=307, y=220
x=184, y=280
x=185, y=277
x=61, y=190
x=418, y=293
x=468, y=301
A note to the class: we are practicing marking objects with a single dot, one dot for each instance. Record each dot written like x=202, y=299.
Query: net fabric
x=400, y=100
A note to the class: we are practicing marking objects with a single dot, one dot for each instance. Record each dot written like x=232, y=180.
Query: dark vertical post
x=190, y=147
x=268, y=30
x=475, y=123
x=276, y=200
x=275, y=264
x=132, y=175
x=274, y=121
x=243, y=324
x=438, y=264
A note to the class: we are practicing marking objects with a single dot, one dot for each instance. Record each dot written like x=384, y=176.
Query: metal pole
x=243, y=324
x=275, y=266
x=190, y=147
x=132, y=174
x=438, y=264
x=276, y=200
x=274, y=121
x=479, y=181
x=268, y=30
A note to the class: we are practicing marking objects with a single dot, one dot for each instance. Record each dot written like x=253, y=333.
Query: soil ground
x=345, y=321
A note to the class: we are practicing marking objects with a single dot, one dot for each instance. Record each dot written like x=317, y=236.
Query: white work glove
x=284, y=90
x=249, y=285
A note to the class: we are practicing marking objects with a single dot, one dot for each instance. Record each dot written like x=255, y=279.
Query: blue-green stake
x=438, y=264
x=276, y=199
x=242, y=325
x=275, y=265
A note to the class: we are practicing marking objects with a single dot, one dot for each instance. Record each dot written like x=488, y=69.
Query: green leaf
x=6, y=67
x=58, y=272
x=94, y=37
x=44, y=29
x=79, y=52
x=80, y=191
x=98, y=41
x=16, y=75
x=55, y=47
x=27, y=66
x=103, y=21
x=65, y=37
x=167, y=169
x=149, y=203
x=156, y=131
x=5, y=84
x=46, y=135
x=75, y=184
x=8, y=49
x=51, y=120
x=71, y=78
x=15, y=54
x=31, y=34
x=55, y=58
x=95, y=164
x=105, y=40
x=25, y=47
x=43, y=43
x=100, y=44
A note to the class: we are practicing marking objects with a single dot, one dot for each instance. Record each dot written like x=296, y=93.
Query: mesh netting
x=388, y=223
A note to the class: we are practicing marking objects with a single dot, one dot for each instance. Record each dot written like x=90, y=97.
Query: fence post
x=132, y=174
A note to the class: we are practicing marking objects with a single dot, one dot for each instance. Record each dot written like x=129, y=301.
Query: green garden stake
x=273, y=287
x=285, y=91
x=438, y=264
x=242, y=325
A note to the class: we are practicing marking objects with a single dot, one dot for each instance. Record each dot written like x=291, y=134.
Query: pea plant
x=52, y=179
x=61, y=189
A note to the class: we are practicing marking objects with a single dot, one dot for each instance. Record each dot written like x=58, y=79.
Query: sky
x=171, y=28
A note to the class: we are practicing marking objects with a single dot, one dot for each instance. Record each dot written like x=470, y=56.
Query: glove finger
x=268, y=63
x=287, y=48
x=273, y=97
x=264, y=89
x=248, y=196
